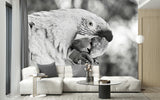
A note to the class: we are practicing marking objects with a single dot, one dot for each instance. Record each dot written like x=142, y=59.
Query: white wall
x=2, y=48
x=16, y=41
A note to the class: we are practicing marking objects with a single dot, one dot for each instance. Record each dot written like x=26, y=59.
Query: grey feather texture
x=52, y=34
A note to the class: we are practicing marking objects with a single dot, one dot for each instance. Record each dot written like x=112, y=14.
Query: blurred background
x=120, y=58
x=107, y=9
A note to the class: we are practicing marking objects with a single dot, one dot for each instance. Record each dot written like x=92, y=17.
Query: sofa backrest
x=68, y=71
x=60, y=70
x=63, y=71
x=96, y=70
x=26, y=72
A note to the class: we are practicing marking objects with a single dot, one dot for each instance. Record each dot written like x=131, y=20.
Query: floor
x=152, y=93
x=146, y=94
x=88, y=96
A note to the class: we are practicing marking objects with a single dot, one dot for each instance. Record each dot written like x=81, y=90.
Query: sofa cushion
x=44, y=86
x=60, y=70
x=48, y=69
x=71, y=85
x=78, y=70
x=68, y=71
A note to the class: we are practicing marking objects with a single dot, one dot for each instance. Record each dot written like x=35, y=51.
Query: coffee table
x=104, y=88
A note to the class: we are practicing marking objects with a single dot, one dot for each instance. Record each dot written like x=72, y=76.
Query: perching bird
x=52, y=34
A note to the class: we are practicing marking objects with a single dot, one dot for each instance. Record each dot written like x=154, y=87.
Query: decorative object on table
x=35, y=76
x=104, y=81
x=89, y=77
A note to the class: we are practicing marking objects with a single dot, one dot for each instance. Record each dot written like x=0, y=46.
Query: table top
x=39, y=75
x=84, y=82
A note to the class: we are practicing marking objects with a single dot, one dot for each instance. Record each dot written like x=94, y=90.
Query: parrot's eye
x=90, y=23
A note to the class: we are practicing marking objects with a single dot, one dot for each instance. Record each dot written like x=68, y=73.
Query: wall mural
x=78, y=31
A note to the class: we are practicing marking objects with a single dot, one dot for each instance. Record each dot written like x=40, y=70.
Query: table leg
x=34, y=86
x=104, y=91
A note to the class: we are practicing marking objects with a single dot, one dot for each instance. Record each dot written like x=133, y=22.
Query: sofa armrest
x=26, y=72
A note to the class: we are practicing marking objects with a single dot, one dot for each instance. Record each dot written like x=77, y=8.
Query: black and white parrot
x=56, y=35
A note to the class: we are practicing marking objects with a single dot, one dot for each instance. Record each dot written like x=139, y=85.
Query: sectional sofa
x=66, y=83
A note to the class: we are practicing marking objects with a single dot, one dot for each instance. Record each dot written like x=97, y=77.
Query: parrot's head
x=93, y=34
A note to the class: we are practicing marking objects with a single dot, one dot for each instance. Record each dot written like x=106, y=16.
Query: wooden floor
x=152, y=93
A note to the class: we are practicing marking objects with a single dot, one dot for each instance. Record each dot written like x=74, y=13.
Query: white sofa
x=52, y=85
x=66, y=83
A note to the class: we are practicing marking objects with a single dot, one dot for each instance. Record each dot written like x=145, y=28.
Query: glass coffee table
x=104, y=88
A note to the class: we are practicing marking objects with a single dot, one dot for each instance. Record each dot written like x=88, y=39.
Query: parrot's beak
x=105, y=33
x=94, y=45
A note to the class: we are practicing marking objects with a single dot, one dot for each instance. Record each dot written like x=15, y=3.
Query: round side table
x=104, y=88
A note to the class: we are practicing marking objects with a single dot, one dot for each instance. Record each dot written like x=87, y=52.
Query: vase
x=89, y=77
